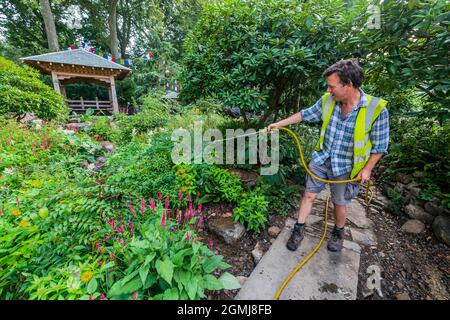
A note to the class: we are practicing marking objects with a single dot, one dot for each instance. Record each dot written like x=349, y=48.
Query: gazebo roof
x=76, y=61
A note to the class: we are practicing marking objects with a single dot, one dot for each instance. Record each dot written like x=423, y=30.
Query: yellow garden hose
x=302, y=162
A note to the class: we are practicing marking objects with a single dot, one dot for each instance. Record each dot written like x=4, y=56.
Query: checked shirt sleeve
x=312, y=114
x=379, y=134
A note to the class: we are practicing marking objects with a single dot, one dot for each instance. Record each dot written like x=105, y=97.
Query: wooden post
x=63, y=91
x=56, y=82
x=82, y=103
x=96, y=104
x=113, y=95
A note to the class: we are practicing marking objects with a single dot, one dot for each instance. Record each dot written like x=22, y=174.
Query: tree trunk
x=112, y=21
x=49, y=23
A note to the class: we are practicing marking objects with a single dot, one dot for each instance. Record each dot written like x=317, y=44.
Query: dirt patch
x=416, y=265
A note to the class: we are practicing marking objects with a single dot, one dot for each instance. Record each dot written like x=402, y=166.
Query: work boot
x=296, y=237
x=336, y=241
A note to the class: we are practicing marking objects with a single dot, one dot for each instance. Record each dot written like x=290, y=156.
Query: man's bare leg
x=340, y=215
x=306, y=206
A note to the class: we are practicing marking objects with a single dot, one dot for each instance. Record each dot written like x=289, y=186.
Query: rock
x=241, y=280
x=274, y=231
x=402, y=296
x=231, y=231
x=77, y=126
x=85, y=164
x=380, y=200
x=414, y=189
x=257, y=253
x=403, y=178
x=433, y=209
x=416, y=212
x=248, y=178
x=107, y=146
x=413, y=226
x=441, y=229
x=399, y=187
x=91, y=166
x=100, y=160
x=364, y=236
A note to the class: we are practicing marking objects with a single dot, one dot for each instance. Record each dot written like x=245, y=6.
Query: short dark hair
x=348, y=71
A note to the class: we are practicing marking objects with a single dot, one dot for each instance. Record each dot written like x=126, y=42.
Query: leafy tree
x=263, y=55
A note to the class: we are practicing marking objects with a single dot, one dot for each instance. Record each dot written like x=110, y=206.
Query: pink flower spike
x=188, y=236
x=180, y=196
x=99, y=248
x=179, y=216
x=102, y=296
x=186, y=215
x=113, y=256
x=100, y=263
x=130, y=207
x=210, y=245
x=159, y=196
x=142, y=206
x=200, y=222
x=135, y=295
x=152, y=204
x=166, y=205
x=190, y=208
x=91, y=298
x=188, y=199
x=132, y=227
x=199, y=208
x=163, y=221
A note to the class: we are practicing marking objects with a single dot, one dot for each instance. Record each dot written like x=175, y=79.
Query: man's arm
x=312, y=114
x=295, y=118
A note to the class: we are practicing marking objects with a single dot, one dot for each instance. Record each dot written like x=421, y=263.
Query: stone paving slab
x=327, y=276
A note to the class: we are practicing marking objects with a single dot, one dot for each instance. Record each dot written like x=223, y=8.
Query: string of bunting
x=85, y=46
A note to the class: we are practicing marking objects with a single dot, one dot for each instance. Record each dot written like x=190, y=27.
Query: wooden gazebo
x=80, y=65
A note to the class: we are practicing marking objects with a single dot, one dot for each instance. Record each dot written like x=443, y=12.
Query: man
x=354, y=136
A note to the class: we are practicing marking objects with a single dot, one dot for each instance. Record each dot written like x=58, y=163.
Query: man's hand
x=364, y=174
x=272, y=126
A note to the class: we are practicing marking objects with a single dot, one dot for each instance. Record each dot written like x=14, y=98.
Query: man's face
x=338, y=91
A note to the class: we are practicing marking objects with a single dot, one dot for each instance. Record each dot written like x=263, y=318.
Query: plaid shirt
x=338, y=140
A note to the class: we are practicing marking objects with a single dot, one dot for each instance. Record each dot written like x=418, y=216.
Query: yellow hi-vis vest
x=364, y=120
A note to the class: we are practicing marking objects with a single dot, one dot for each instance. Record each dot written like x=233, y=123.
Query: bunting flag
x=85, y=46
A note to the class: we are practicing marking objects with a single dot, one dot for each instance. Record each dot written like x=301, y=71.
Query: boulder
x=107, y=146
x=413, y=189
x=441, y=229
x=413, y=226
x=257, y=253
x=416, y=212
x=399, y=187
x=230, y=231
x=274, y=231
x=248, y=178
x=403, y=178
x=432, y=208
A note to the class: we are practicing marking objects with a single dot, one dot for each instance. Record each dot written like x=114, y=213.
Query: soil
x=412, y=266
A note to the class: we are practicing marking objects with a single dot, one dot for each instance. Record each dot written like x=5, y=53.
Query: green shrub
x=252, y=210
x=22, y=92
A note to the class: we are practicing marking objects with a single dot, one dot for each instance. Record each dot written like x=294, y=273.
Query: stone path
x=328, y=275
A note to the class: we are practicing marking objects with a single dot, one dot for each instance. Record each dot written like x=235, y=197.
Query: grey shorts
x=342, y=193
